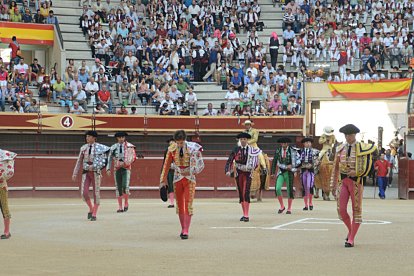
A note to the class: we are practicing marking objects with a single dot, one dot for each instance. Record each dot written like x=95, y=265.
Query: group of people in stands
x=33, y=11
x=149, y=52
x=340, y=32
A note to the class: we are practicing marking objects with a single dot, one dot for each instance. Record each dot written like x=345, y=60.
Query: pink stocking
x=243, y=208
x=171, y=195
x=95, y=210
x=310, y=200
x=354, y=231
x=89, y=203
x=305, y=199
x=6, y=226
x=119, y=203
x=290, y=200
x=182, y=222
x=126, y=197
x=343, y=204
x=187, y=220
x=246, y=208
x=280, y=198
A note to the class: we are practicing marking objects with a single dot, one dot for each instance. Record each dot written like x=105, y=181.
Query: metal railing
x=59, y=35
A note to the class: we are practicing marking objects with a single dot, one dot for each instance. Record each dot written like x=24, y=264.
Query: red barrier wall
x=52, y=176
x=405, y=178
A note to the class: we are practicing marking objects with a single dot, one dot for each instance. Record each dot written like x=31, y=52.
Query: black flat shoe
x=246, y=219
x=120, y=211
x=305, y=209
x=5, y=237
x=347, y=244
x=89, y=215
x=181, y=235
x=288, y=212
x=311, y=207
x=171, y=206
x=242, y=218
x=281, y=210
x=93, y=218
x=125, y=209
x=184, y=237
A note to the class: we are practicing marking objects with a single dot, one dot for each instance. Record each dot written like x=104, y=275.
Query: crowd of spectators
x=153, y=52
x=33, y=11
x=351, y=33
x=150, y=53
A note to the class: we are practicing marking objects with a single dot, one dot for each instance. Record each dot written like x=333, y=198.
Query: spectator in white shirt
x=253, y=70
x=362, y=75
x=348, y=75
x=210, y=111
x=96, y=66
x=168, y=101
x=252, y=87
x=130, y=60
x=77, y=109
x=232, y=98
x=191, y=100
x=91, y=89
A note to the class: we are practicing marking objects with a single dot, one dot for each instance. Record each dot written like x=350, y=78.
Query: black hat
x=307, y=139
x=121, y=134
x=284, y=140
x=164, y=193
x=349, y=129
x=244, y=135
x=91, y=133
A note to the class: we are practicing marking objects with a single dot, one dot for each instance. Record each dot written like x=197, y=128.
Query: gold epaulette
x=172, y=147
x=365, y=149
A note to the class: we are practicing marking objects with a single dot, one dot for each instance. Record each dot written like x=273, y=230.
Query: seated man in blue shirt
x=184, y=73
x=83, y=77
x=237, y=68
x=236, y=81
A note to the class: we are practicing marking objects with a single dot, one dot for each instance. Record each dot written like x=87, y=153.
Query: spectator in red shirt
x=15, y=47
x=104, y=98
x=382, y=168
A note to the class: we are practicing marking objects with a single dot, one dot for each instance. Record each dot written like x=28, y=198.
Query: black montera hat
x=349, y=129
x=91, y=133
x=121, y=134
x=284, y=140
x=244, y=135
x=307, y=139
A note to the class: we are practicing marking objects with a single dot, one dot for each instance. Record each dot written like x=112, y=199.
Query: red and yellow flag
x=27, y=33
x=370, y=89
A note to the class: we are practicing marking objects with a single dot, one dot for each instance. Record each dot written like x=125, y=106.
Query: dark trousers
x=273, y=57
x=197, y=71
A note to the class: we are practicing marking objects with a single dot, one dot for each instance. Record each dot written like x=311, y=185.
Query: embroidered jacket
x=190, y=162
x=358, y=158
x=308, y=156
x=246, y=161
x=6, y=166
x=91, y=155
x=124, y=152
x=284, y=158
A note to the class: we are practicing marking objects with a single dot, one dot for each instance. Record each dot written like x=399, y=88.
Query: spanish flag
x=371, y=89
x=27, y=33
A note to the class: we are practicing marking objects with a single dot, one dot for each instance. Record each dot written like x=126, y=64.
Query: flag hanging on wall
x=371, y=89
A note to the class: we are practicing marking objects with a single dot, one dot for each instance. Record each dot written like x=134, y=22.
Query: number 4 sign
x=66, y=122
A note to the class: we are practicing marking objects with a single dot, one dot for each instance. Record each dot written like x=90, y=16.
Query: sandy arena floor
x=53, y=237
